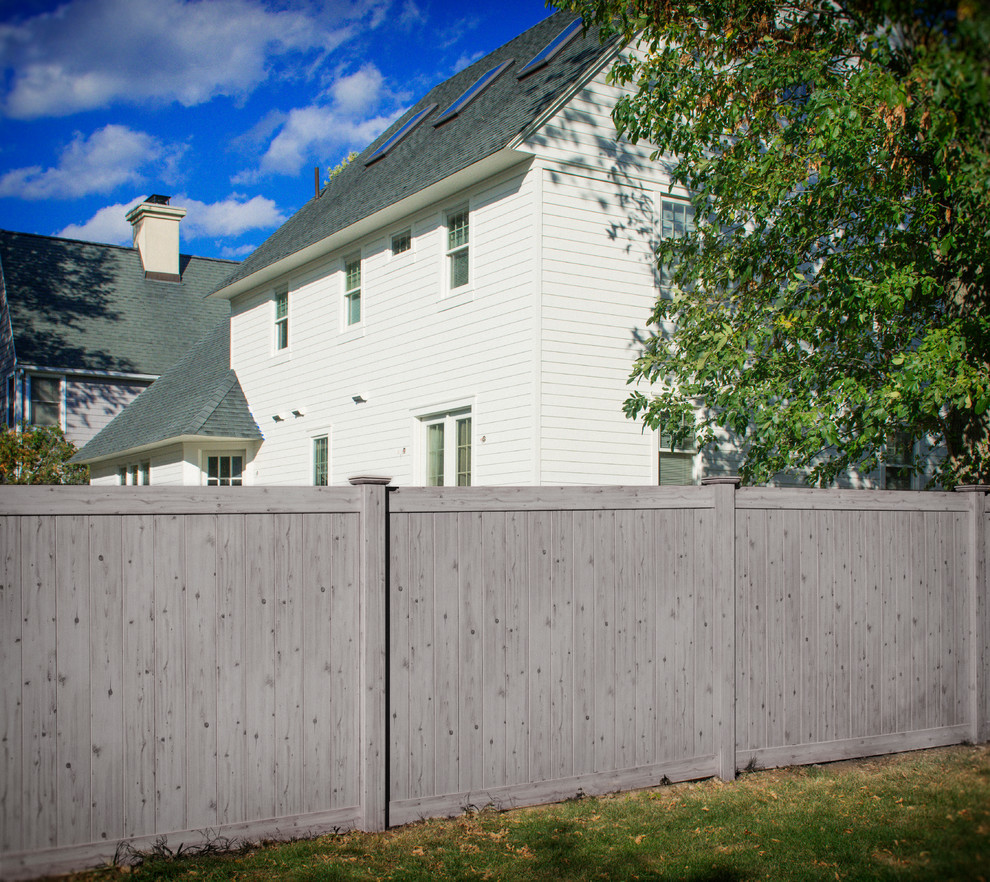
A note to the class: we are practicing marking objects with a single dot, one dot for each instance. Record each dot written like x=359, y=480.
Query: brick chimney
x=156, y=237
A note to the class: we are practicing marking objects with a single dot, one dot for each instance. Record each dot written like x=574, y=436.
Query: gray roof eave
x=164, y=442
x=492, y=164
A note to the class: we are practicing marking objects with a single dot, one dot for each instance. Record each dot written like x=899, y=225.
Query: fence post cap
x=972, y=488
x=370, y=479
x=734, y=480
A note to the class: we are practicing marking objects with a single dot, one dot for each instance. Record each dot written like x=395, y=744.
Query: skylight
x=399, y=135
x=551, y=49
x=472, y=93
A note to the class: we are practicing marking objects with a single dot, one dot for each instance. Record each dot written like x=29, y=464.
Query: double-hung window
x=448, y=449
x=352, y=290
x=676, y=221
x=676, y=459
x=321, y=461
x=134, y=474
x=897, y=469
x=458, y=258
x=46, y=401
x=281, y=320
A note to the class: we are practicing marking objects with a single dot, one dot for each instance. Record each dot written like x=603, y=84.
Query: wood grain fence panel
x=791, y=587
x=828, y=545
x=107, y=684
x=672, y=573
x=517, y=648
x=625, y=642
x=871, y=721
x=903, y=595
x=400, y=681
x=422, y=673
x=38, y=695
x=471, y=655
x=170, y=673
x=493, y=688
x=843, y=565
x=777, y=663
x=918, y=695
x=232, y=614
x=605, y=684
x=811, y=695
x=645, y=593
x=958, y=604
x=137, y=544
x=315, y=608
x=562, y=646
x=259, y=666
x=345, y=613
x=201, y=671
x=586, y=625
x=72, y=694
x=445, y=735
x=703, y=693
x=934, y=588
x=540, y=624
x=12, y=745
x=289, y=664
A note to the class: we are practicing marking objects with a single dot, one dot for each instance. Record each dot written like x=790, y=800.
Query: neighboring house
x=463, y=302
x=84, y=328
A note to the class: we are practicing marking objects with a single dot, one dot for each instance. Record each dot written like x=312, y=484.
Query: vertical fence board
x=540, y=618
x=625, y=639
x=289, y=658
x=493, y=687
x=562, y=646
x=345, y=610
x=842, y=607
x=645, y=576
x=12, y=746
x=704, y=590
x=872, y=623
x=605, y=684
x=586, y=625
x=422, y=673
x=170, y=705
x=232, y=602
x=791, y=586
x=517, y=649
x=470, y=660
x=446, y=591
x=810, y=692
x=259, y=666
x=73, y=638
x=400, y=682
x=201, y=671
x=672, y=573
x=107, y=666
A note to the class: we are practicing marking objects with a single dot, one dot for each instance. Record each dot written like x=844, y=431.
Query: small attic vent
x=552, y=48
x=400, y=134
x=486, y=79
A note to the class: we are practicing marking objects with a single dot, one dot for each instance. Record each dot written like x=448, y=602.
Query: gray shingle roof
x=85, y=306
x=427, y=155
x=199, y=395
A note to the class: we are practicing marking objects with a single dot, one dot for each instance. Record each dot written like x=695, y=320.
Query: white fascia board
x=131, y=452
x=87, y=372
x=391, y=214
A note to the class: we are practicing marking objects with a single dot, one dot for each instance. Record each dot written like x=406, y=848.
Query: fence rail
x=270, y=662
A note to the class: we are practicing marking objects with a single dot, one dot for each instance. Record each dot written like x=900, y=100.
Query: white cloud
x=110, y=157
x=93, y=53
x=230, y=217
x=359, y=92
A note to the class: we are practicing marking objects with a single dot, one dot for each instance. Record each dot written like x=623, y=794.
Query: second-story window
x=676, y=221
x=457, y=249
x=281, y=320
x=352, y=290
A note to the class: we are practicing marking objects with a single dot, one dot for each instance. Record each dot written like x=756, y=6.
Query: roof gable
x=85, y=306
x=429, y=153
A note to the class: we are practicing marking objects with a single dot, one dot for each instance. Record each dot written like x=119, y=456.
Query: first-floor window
x=676, y=460
x=46, y=401
x=448, y=449
x=138, y=473
x=321, y=461
x=897, y=469
x=224, y=470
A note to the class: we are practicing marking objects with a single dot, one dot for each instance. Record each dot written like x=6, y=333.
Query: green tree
x=835, y=289
x=38, y=455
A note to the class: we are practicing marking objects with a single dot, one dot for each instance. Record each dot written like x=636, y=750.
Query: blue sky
x=225, y=105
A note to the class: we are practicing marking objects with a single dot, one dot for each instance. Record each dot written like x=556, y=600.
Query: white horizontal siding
x=90, y=404
x=598, y=290
x=414, y=351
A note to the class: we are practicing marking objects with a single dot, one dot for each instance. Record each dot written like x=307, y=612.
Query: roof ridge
x=127, y=248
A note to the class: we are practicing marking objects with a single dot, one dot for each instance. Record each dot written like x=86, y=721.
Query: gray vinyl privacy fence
x=275, y=662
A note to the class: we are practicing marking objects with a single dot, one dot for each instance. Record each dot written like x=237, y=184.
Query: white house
x=461, y=305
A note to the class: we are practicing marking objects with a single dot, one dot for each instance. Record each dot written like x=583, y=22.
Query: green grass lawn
x=923, y=815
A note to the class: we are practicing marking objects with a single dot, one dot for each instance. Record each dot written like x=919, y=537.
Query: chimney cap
x=158, y=199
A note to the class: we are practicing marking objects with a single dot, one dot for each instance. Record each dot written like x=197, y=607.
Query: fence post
x=373, y=653
x=979, y=617
x=724, y=624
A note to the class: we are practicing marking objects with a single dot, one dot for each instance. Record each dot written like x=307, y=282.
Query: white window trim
x=283, y=352
x=449, y=410
x=312, y=457
x=461, y=292
x=358, y=326
x=204, y=461
x=410, y=252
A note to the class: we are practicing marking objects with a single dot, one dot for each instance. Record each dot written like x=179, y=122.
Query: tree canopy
x=38, y=455
x=833, y=294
